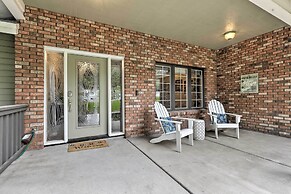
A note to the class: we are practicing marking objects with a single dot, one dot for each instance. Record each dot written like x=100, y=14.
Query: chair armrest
x=213, y=117
x=234, y=114
x=171, y=121
x=237, y=117
x=177, y=123
x=190, y=121
x=182, y=118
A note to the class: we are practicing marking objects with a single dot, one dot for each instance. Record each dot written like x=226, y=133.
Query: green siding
x=6, y=37
x=7, y=69
x=7, y=55
x=6, y=49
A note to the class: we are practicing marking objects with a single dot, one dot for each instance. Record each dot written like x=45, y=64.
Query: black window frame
x=172, y=85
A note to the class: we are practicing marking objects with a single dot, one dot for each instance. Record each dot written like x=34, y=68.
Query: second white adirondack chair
x=178, y=133
x=215, y=108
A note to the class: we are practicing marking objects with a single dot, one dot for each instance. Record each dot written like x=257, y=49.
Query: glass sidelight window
x=116, y=96
x=55, y=96
x=84, y=95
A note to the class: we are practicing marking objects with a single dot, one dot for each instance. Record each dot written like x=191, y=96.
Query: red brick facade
x=269, y=55
x=141, y=51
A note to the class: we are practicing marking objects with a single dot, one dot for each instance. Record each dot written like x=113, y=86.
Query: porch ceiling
x=198, y=22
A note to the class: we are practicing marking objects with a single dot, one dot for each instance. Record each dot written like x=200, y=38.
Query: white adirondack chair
x=162, y=114
x=215, y=107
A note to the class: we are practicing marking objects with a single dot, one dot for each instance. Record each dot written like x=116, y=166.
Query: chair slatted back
x=161, y=110
x=215, y=106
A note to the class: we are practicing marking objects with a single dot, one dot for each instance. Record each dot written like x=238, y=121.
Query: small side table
x=199, y=129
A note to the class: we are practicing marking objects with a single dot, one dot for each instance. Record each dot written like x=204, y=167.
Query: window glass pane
x=88, y=94
x=116, y=97
x=55, y=96
x=181, y=87
x=196, y=88
x=199, y=103
x=163, y=85
x=167, y=103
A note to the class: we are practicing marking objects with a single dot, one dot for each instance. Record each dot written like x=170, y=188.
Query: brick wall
x=44, y=28
x=269, y=55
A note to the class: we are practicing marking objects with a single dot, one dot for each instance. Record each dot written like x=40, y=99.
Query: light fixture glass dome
x=229, y=35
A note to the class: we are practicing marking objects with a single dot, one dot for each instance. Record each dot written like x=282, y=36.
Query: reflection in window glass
x=116, y=95
x=163, y=85
x=196, y=88
x=181, y=87
x=88, y=94
x=55, y=96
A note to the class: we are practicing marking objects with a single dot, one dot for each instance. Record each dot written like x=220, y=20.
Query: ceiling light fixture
x=229, y=35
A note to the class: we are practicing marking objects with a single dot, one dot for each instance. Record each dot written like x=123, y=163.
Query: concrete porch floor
x=256, y=163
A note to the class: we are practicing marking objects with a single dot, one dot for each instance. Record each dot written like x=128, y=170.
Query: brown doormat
x=87, y=145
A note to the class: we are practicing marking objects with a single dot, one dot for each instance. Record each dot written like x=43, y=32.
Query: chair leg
x=216, y=133
x=178, y=141
x=191, y=139
x=178, y=145
x=237, y=133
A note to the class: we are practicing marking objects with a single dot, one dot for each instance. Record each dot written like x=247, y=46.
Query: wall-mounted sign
x=249, y=83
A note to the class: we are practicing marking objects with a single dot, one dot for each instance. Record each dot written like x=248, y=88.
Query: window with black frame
x=179, y=87
x=181, y=82
x=163, y=85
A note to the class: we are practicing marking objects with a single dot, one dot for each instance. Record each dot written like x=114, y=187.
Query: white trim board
x=66, y=124
x=109, y=112
x=16, y=8
x=84, y=53
x=66, y=52
x=9, y=28
x=45, y=101
x=123, y=97
x=45, y=104
x=274, y=9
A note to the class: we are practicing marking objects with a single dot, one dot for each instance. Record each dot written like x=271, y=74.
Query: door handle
x=69, y=105
x=70, y=94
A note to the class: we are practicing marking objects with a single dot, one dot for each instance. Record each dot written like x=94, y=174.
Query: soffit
x=198, y=22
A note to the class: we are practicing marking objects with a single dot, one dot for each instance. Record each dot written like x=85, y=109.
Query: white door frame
x=66, y=52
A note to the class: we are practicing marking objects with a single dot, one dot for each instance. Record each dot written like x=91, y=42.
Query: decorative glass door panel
x=54, y=96
x=88, y=94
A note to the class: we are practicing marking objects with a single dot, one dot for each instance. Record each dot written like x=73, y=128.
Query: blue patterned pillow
x=221, y=118
x=168, y=126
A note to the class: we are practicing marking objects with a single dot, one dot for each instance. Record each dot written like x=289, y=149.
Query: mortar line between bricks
x=172, y=177
x=258, y=156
